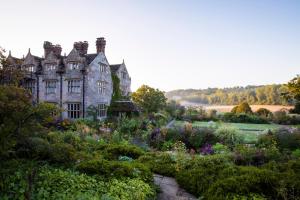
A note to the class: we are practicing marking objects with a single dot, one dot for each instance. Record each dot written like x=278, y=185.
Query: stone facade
x=73, y=82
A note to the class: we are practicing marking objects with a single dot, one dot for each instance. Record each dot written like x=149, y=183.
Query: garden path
x=169, y=189
x=170, y=124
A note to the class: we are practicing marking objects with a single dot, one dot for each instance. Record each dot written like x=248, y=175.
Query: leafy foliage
x=149, y=99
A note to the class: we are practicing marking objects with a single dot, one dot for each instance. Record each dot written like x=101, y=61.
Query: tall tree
x=10, y=72
x=19, y=118
x=149, y=99
x=294, y=93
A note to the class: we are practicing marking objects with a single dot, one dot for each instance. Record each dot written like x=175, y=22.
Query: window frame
x=73, y=65
x=101, y=110
x=101, y=87
x=50, y=86
x=74, y=86
x=50, y=67
x=30, y=86
x=73, y=110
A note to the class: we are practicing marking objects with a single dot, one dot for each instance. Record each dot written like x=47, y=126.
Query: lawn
x=250, y=131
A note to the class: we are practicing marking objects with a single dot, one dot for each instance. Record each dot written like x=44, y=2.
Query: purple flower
x=206, y=149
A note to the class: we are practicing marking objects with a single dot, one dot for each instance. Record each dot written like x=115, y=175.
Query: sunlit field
x=228, y=108
x=250, y=131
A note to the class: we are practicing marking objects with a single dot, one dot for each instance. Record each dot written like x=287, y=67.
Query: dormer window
x=73, y=66
x=50, y=67
x=29, y=68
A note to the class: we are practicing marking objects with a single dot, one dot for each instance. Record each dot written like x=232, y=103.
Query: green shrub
x=129, y=189
x=243, y=181
x=172, y=134
x=201, y=172
x=115, y=169
x=287, y=139
x=265, y=113
x=242, y=108
x=219, y=148
x=55, y=137
x=65, y=184
x=113, y=151
x=201, y=136
x=161, y=163
x=72, y=138
x=296, y=153
x=229, y=136
x=243, y=118
x=62, y=153
x=34, y=147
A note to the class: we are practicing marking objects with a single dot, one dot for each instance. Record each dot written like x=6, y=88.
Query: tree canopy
x=149, y=99
x=262, y=95
x=293, y=93
x=19, y=117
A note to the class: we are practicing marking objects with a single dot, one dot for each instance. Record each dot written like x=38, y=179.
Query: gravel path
x=169, y=189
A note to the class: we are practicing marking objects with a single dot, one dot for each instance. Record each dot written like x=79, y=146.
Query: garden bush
x=283, y=138
x=160, y=163
x=229, y=136
x=243, y=118
x=62, y=153
x=243, y=181
x=201, y=172
x=34, y=148
x=35, y=182
x=116, y=169
x=200, y=137
x=113, y=151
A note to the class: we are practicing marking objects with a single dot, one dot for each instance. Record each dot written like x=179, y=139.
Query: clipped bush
x=242, y=108
x=115, y=169
x=243, y=181
x=243, y=118
x=265, y=113
x=201, y=172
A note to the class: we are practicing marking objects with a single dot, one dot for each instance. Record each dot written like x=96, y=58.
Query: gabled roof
x=115, y=68
x=90, y=57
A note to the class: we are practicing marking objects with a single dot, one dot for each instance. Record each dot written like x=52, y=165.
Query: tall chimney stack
x=100, y=44
x=47, y=48
x=81, y=47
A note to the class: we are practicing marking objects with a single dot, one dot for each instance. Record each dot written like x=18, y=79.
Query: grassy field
x=228, y=108
x=250, y=131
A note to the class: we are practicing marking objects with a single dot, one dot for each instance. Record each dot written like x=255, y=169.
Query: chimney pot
x=100, y=44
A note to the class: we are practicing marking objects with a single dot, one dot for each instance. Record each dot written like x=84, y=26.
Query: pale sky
x=168, y=44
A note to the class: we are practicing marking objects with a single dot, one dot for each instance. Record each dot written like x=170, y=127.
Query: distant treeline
x=264, y=95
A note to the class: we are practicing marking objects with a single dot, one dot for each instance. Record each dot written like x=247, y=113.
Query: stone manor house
x=74, y=81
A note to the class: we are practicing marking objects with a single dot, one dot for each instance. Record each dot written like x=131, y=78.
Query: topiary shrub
x=115, y=169
x=113, y=151
x=243, y=181
x=265, y=113
x=201, y=172
x=242, y=108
